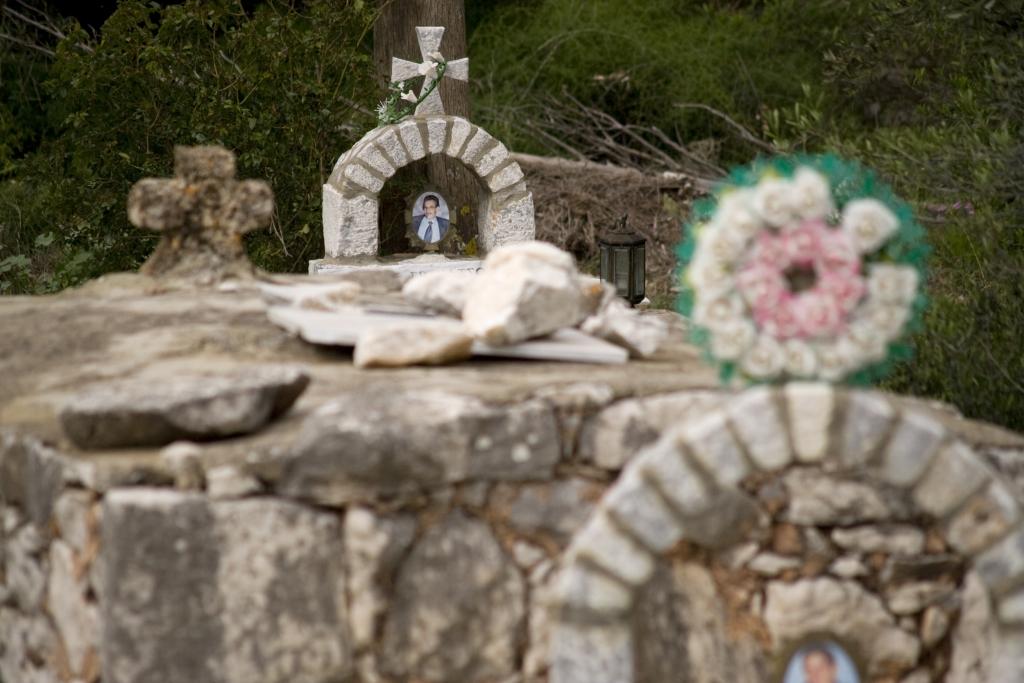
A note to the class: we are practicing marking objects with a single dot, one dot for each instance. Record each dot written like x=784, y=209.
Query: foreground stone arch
x=350, y=203
x=694, y=485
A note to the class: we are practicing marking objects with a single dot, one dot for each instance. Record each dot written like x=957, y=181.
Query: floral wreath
x=803, y=268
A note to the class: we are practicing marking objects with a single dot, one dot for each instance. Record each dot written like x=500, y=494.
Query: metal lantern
x=623, y=261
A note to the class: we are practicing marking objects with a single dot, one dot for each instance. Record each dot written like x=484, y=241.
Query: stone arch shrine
x=351, y=207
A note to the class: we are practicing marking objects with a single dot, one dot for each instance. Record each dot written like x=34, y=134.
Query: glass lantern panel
x=622, y=270
x=639, y=272
x=606, y=263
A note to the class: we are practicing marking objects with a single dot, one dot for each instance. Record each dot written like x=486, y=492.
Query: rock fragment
x=444, y=291
x=525, y=290
x=433, y=342
x=139, y=412
x=626, y=327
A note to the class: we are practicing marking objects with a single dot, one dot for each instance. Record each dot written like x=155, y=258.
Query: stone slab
x=343, y=328
x=189, y=407
x=389, y=442
x=428, y=263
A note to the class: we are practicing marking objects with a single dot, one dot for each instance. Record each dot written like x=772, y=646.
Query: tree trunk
x=394, y=35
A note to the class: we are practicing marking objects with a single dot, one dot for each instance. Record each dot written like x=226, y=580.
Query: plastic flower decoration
x=390, y=110
x=428, y=69
x=803, y=268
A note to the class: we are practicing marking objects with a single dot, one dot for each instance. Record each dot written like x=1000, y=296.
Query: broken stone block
x=848, y=567
x=72, y=513
x=770, y=564
x=619, y=324
x=429, y=342
x=615, y=435
x=934, y=625
x=32, y=475
x=524, y=290
x=444, y=291
x=139, y=412
x=183, y=460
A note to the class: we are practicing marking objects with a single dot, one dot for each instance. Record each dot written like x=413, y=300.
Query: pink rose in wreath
x=762, y=286
x=836, y=252
x=846, y=287
x=801, y=283
x=803, y=243
x=780, y=320
x=770, y=252
x=817, y=313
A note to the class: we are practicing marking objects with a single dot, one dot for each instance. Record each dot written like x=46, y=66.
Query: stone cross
x=429, y=38
x=202, y=212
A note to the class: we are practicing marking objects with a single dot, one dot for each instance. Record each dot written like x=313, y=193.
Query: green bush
x=940, y=119
x=288, y=87
x=637, y=60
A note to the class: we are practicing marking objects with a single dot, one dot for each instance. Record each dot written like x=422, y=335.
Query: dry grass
x=577, y=201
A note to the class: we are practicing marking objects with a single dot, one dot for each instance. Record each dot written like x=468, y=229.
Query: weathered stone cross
x=203, y=213
x=429, y=38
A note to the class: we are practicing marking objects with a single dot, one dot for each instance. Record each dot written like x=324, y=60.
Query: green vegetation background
x=928, y=92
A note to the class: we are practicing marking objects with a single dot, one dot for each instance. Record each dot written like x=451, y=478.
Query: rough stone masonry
x=491, y=521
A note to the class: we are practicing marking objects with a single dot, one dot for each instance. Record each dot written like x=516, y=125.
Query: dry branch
x=30, y=27
x=569, y=127
x=576, y=201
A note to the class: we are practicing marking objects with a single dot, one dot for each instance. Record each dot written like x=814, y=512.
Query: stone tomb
x=485, y=522
x=351, y=206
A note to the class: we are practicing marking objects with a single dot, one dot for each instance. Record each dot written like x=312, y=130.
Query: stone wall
x=810, y=511
x=564, y=535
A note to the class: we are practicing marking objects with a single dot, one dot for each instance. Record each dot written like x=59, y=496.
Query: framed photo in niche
x=821, y=660
x=430, y=222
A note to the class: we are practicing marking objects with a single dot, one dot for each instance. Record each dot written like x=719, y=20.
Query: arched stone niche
x=350, y=201
x=820, y=461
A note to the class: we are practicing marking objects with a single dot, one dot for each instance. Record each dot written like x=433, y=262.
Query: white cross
x=429, y=38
